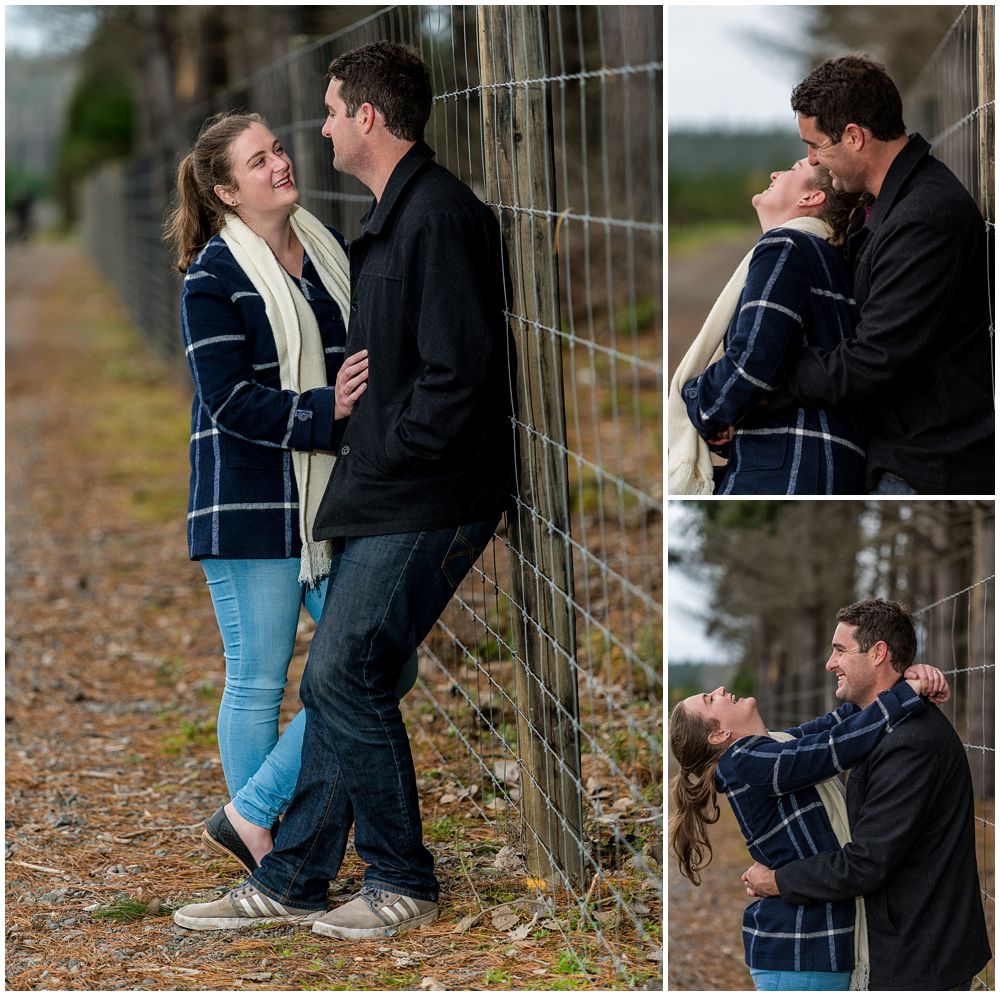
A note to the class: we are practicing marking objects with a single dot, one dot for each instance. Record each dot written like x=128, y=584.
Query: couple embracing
x=352, y=451
x=878, y=890
x=850, y=351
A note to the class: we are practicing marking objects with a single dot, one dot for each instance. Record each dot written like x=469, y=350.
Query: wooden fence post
x=517, y=124
x=984, y=97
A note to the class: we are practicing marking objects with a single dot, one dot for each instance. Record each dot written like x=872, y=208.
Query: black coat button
x=344, y=450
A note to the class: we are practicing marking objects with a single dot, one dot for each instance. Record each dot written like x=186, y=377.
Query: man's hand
x=928, y=681
x=352, y=380
x=759, y=881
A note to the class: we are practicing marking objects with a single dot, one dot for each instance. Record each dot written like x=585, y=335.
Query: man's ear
x=854, y=135
x=366, y=117
x=880, y=652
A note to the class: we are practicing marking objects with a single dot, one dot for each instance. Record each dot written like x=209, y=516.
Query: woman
x=265, y=290
x=722, y=745
x=793, y=289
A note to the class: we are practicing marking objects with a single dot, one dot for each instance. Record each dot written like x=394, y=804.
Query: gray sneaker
x=376, y=913
x=243, y=907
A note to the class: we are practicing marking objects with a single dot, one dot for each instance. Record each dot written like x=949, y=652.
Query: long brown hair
x=693, y=806
x=197, y=214
x=839, y=209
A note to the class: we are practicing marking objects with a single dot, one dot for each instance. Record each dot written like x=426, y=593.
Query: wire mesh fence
x=544, y=676
x=953, y=105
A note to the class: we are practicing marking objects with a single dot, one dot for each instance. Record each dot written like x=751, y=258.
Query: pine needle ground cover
x=113, y=681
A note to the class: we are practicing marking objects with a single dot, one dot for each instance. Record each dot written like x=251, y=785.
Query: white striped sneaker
x=376, y=913
x=242, y=907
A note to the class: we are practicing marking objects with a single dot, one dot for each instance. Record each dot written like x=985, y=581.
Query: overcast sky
x=717, y=73
x=687, y=599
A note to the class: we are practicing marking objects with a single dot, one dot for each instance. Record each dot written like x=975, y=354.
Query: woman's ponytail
x=693, y=806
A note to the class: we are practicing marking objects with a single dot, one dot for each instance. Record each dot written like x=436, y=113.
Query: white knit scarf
x=301, y=361
x=689, y=461
x=831, y=794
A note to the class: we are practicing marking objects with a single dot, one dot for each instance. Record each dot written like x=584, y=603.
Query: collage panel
x=830, y=230
x=831, y=688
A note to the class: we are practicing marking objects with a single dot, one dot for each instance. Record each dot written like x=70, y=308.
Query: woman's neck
x=281, y=240
x=777, y=219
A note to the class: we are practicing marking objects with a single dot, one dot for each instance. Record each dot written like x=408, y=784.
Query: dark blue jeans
x=385, y=594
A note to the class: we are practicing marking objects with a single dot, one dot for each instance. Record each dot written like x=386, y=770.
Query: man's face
x=343, y=132
x=833, y=153
x=852, y=666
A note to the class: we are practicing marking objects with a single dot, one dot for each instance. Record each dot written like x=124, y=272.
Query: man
x=426, y=464
x=920, y=365
x=912, y=852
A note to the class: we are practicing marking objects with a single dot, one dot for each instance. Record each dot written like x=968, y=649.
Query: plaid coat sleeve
x=786, y=766
x=822, y=723
x=763, y=336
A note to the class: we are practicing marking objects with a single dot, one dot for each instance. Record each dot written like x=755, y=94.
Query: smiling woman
x=791, y=289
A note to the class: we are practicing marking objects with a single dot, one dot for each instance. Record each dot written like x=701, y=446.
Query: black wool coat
x=919, y=366
x=431, y=442
x=913, y=858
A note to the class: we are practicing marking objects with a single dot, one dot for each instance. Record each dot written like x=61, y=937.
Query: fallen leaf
x=507, y=859
x=505, y=921
x=464, y=924
x=507, y=772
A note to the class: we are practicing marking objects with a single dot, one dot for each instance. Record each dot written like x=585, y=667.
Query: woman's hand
x=352, y=381
x=928, y=681
x=724, y=436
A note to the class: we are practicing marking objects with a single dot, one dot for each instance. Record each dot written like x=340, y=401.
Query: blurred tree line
x=778, y=571
x=704, y=189
x=143, y=68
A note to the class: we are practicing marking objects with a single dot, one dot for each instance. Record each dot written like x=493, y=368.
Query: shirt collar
x=902, y=167
x=416, y=156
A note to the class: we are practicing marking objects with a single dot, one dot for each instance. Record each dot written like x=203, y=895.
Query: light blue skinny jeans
x=257, y=605
x=767, y=980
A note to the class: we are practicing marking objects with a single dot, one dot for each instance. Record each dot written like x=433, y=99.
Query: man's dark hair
x=391, y=77
x=852, y=89
x=876, y=619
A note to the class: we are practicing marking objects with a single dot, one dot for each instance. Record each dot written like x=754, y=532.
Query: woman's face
x=789, y=187
x=263, y=183
x=739, y=716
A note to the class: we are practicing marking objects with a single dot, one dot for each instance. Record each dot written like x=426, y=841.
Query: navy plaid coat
x=243, y=502
x=769, y=785
x=797, y=294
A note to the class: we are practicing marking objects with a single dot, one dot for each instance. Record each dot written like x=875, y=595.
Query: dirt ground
x=704, y=924
x=113, y=680
x=694, y=282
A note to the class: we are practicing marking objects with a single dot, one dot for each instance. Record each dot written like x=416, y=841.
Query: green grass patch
x=130, y=910
x=442, y=829
x=570, y=963
x=198, y=734
x=498, y=977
